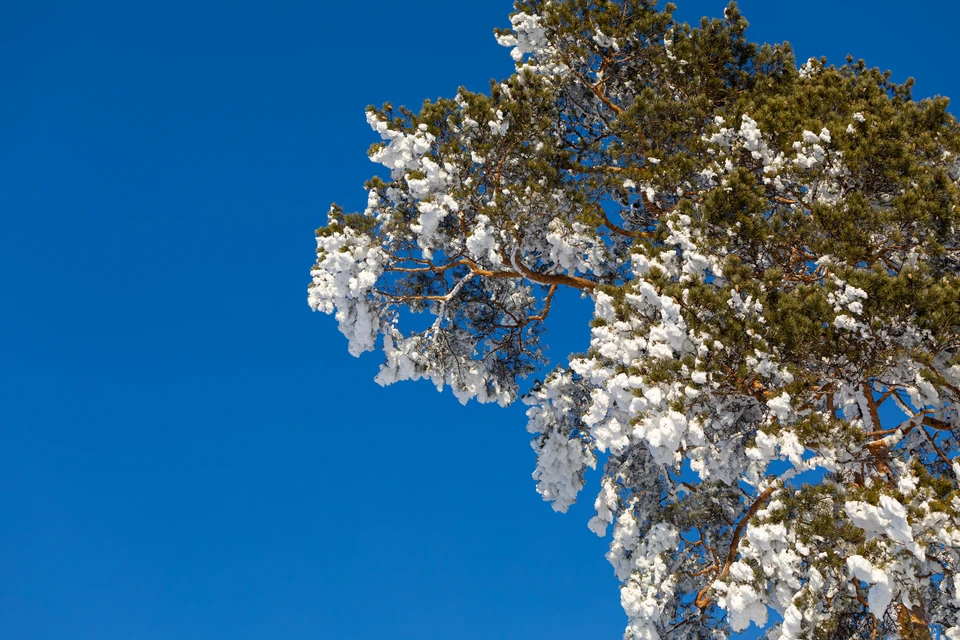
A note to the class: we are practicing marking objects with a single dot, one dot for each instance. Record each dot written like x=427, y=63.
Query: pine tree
x=772, y=253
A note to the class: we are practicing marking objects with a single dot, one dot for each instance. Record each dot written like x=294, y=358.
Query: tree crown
x=772, y=253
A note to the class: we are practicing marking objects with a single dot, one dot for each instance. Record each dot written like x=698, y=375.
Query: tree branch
x=703, y=597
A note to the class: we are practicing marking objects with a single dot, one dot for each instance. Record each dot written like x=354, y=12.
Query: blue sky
x=187, y=451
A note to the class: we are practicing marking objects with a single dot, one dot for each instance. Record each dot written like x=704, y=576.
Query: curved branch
x=546, y=278
x=703, y=597
x=620, y=230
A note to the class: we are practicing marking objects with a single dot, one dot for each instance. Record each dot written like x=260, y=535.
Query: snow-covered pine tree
x=772, y=253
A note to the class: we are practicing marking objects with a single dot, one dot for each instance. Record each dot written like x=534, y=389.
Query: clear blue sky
x=186, y=451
